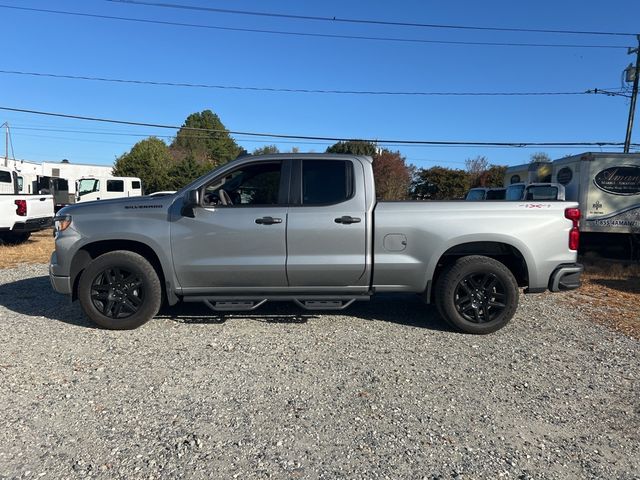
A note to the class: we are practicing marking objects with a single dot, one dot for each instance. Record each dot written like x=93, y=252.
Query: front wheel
x=477, y=294
x=120, y=290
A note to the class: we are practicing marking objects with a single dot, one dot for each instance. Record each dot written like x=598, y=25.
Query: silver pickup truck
x=307, y=228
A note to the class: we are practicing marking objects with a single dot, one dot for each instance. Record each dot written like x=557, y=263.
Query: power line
x=244, y=140
x=314, y=137
x=307, y=34
x=300, y=90
x=367, y=21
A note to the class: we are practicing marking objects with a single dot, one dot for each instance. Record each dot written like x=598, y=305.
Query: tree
x=150, y=160
x=440, y=183
x=476, y=167
x=187, y=170
x=354, y=147
x=540, y=157
x=213, y=145
x=492, y=177
x=392, y=176
x=267, y=149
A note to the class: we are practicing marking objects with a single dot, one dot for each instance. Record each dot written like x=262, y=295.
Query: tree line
x=203, y=143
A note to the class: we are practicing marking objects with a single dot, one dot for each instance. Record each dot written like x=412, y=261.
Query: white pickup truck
x=21, y=214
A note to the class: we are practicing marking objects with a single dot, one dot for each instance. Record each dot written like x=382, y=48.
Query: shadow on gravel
x=401, y=309
x=35, y=297
x=629, y=285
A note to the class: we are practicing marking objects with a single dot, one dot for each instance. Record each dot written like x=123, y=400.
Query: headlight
x=61, y=223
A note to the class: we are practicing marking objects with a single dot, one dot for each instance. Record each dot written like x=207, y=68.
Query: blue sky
x=58, y=44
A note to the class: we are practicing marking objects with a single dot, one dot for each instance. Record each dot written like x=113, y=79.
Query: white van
x=102, y=188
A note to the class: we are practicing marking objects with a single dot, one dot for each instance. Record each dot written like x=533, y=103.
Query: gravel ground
x=383, y=390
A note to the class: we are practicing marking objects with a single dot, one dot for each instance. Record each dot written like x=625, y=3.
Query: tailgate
x=38, y=206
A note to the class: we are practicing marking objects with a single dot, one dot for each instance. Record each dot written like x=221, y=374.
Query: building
x=64, y=169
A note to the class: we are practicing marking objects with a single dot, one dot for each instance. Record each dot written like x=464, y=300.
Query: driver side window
x=257, y=184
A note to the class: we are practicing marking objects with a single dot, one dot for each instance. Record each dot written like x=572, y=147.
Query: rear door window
x=326, y=182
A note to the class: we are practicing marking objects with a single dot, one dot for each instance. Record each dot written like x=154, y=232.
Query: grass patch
x=610, y=293
x=35, y=250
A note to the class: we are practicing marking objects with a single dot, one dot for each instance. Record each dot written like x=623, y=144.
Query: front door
x=326, y=230
x=237, y=236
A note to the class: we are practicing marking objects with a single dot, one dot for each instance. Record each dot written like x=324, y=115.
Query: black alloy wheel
x=480, y=297
x=117, y=292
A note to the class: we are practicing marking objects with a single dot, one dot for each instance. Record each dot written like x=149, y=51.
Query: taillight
x=21, y=208
x=573, y=214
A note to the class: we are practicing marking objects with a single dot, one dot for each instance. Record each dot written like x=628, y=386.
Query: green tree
x=204, y=137
x=150, y=160
x=186, y=171
x=440, y=183
x=354, y=147
x=266, y=150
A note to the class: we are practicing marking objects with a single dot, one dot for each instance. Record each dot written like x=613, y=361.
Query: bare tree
x=540, y=157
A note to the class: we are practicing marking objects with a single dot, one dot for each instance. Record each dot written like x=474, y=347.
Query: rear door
x=326, y=231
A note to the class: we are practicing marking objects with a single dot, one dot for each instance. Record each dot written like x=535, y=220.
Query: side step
x=324, y=304
x=234, y=305
x=244, y=304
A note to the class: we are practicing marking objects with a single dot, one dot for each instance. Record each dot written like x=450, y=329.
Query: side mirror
x=190, y=200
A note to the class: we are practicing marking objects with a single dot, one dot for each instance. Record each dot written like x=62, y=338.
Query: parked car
x=535, y=191
x=307, y=228
x=103, y=188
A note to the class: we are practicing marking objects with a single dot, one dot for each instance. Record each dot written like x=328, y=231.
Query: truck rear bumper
x=33, y=225
x=566, y=277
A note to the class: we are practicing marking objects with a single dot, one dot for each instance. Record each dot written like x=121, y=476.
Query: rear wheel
x=477, y=294
x=120, y=290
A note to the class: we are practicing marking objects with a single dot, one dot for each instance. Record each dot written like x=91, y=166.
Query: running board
x=244, y=304
x=324, y=304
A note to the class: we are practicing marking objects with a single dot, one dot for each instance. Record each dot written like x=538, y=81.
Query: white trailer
x=607, y=187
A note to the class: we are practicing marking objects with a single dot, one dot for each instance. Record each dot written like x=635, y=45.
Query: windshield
x=514, y=192
x=88, y=185
x=475, y=195
x=497, y=194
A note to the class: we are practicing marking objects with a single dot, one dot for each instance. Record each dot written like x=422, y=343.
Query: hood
x=127, y=203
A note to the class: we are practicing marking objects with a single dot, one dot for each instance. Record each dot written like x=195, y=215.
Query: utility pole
x=6, y=143
x=634, y=95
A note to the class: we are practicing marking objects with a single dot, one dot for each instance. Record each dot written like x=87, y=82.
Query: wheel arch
x=93, y=250
x=505, y=253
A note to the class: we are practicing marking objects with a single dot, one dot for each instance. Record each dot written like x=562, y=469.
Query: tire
x=120, y=290
x=477, y=294
x=14, y=238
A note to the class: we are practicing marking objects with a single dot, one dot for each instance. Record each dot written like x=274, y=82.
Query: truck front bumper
x=566, y=277
x=60, y=284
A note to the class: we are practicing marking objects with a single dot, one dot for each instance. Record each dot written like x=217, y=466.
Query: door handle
x=268, y=220
x=346, y=220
